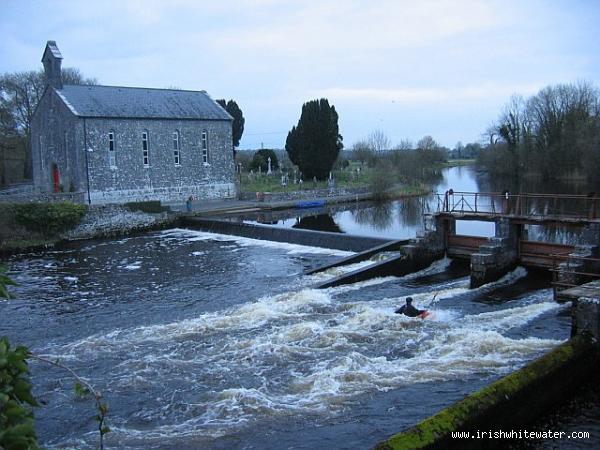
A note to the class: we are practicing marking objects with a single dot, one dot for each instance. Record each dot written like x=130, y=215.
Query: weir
x=491, y=258
x=414, y=255
x=289, y=235
x=515, y=400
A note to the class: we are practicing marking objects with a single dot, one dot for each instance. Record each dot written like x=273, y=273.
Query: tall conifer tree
x=314, y=144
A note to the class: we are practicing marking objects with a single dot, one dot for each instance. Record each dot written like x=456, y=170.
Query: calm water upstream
x=205, y=341
x=403, y=218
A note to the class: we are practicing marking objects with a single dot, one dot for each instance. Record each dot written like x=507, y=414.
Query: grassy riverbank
x=458, y=162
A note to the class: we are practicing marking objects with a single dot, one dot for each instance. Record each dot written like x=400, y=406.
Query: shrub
x=49, y=219
x=382, y=180
x=261, y=159
x=16, y=417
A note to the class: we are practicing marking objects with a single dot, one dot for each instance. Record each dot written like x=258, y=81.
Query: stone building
x=113, y=144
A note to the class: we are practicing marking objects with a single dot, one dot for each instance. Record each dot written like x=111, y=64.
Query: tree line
x=552, y=134
x=315, y=145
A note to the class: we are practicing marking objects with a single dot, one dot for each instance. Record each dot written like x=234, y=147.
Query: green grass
x=272, y=183
x=458, y=162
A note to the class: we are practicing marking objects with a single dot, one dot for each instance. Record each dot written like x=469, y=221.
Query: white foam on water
x=338, y=271
x=435, y=267
x=246, y=316
x=509, y=278
x=510, y=317
x=291, y=249
x=301, y=352
x=361, y=284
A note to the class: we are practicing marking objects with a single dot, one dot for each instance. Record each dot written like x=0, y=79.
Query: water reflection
x=573, y=186
x=568, y=235
x=321, y=222
x=379, y=216
x=411, y=210
x=401, y=219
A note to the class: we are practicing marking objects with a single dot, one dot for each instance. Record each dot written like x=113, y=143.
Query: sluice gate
x=492, y=257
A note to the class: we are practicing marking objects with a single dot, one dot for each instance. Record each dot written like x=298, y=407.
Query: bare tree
x=362, y=151
x=378, y=141
x=427, y=143
x=405, y=144
x=551, y=133
x=20, y=94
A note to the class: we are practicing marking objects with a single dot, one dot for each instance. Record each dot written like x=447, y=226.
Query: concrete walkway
x=204, y=207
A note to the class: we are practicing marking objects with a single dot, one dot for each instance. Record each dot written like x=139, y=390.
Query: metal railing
x=569, y=270
x=523, y=205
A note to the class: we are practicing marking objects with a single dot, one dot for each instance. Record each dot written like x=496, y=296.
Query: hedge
x=48, y=218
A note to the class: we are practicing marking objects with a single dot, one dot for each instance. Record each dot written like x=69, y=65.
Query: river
x=403, y=218
x=199, y=340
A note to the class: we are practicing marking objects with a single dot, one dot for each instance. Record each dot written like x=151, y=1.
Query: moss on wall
x=506, y=401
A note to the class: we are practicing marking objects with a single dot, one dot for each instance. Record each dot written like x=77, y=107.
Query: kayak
x=424, y=314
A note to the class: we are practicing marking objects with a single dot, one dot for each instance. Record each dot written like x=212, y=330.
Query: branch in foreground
x=102, y=407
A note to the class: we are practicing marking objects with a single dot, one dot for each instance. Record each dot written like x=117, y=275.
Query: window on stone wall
x=205, y=147
x=66, y=149
x=41, y=152
x=176, y=147
x=145, y=153
x=112, y=160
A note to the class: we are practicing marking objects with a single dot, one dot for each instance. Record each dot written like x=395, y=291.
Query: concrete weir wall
x=415, y=256
x=336, y=241
x=497, y=257
x=509, y=403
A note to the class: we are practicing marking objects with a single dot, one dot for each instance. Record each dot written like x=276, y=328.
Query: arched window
x=112, y=160
x=176, y=147
x=145, y=149
x=204, y=145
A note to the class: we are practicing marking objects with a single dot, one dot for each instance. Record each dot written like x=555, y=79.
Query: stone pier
x=498, y=256
x=587, y=317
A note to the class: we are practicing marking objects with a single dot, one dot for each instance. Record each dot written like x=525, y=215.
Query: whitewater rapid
x=301, y=351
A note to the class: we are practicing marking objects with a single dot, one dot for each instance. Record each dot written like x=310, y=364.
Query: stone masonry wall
x=56, y=138
x=162, y=179
x=114, y=220
x=60, y=138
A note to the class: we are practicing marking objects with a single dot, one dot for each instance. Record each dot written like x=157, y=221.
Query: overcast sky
x=407, y=68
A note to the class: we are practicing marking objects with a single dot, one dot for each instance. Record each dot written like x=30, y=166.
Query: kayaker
x=409, y=310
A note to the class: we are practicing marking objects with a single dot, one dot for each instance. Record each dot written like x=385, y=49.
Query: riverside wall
x=509, y=403
x=117, y=220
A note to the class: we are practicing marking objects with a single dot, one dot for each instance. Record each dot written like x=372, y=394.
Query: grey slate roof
x=51, y=45
x=140, y=103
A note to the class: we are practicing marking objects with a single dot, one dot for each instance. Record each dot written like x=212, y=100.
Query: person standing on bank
x=409, y=310
x=188, y=203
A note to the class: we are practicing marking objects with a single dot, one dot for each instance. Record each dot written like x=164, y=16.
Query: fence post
x=592, y=212
x=446, y=208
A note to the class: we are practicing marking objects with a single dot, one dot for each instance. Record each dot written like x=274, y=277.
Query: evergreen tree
x=261, y=159
x=238, y=119
x=314, y=144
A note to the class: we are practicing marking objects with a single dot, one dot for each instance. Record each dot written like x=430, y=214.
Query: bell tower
x=52, y=60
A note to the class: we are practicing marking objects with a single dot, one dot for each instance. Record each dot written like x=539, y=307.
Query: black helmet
x=408, y=299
